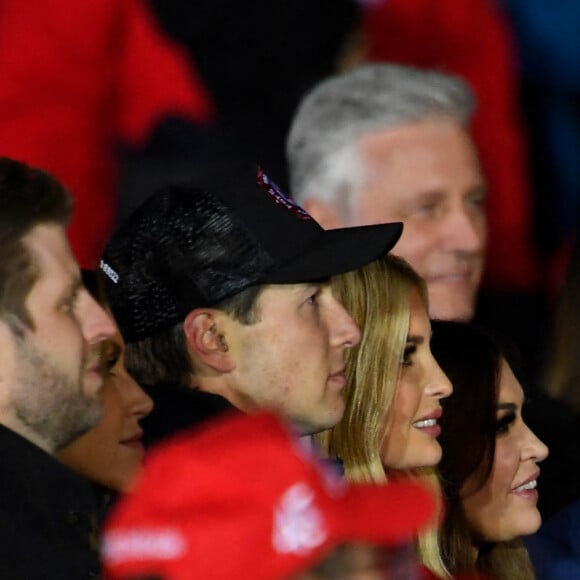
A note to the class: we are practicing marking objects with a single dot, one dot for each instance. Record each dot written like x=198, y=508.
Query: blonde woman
x=394, y=385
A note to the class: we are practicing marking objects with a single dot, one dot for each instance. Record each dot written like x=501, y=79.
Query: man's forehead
x=51, y=253
x=433, y=140
x=412, y=129
x=420, y=159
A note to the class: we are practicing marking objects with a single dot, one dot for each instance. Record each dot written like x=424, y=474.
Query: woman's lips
x=527, y=489
x=428, y=424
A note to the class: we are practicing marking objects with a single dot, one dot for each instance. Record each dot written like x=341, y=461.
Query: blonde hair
x=377, y=296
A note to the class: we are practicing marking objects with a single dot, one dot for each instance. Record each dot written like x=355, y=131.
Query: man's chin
x=452, y=307
x=83, y=414
x=313, y=426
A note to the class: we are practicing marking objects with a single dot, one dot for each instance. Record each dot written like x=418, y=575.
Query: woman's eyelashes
x=410, y=350
x=504, y=423
x=110, y=356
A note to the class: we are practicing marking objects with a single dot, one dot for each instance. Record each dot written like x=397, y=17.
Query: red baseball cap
x=244, y=497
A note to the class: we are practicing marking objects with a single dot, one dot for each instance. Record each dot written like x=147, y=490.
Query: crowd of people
x=251, y=383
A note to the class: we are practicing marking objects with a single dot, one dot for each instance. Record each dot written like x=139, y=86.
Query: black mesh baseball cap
x=195, y=245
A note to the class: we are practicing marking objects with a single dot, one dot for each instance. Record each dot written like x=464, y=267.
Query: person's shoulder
x=47, y=515
x=18, y=453
x=31, y=477
x=177, y=407
x=555, y=548
x=565, y=525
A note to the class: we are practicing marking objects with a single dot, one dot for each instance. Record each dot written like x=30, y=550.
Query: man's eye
x=477, y=202
x=313, y=298
x=69, y=304
x=314, y=295
x=430, y=209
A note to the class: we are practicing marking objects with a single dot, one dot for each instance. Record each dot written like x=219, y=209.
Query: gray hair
x=321, y=146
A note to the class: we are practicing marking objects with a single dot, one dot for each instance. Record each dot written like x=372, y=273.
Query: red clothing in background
x=77, y=78
x=472, y=40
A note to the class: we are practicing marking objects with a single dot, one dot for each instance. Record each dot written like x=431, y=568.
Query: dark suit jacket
x=47, y=516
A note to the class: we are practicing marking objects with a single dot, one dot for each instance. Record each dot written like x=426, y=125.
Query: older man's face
x=427, y=175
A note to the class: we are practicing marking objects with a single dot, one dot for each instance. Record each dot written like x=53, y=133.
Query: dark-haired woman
x=489, y=468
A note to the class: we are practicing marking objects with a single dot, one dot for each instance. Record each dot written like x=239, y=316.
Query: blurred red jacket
x=77, y=79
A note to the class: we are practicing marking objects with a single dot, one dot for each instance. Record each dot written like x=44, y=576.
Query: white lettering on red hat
x=299, y=525
x=145, y=544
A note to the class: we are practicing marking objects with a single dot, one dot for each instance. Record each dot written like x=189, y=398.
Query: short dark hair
x=28, y=197
x=243, y=305
x=164, y=357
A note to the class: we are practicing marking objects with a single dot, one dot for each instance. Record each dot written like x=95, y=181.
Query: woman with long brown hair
x=489, y=466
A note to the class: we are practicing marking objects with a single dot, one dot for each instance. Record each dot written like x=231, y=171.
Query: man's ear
x=206, y=340
x=324, y=213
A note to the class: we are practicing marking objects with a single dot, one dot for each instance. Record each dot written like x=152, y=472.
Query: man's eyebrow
x=480, y=189
x=507, y=407
x=436, y=194
x=307, y=286
x=433, y=194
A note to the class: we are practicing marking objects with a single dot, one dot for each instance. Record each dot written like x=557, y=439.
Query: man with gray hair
x=384, y=143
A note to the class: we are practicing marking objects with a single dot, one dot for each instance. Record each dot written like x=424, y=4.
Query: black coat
x=178, y=407
x=47, y=516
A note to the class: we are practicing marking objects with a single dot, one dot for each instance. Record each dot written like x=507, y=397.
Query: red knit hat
x=244, y=497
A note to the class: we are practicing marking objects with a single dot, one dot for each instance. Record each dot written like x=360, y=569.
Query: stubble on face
x=292, y=360
x=50, y=402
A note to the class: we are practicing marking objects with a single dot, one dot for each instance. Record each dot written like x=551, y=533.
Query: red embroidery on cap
x=274, y=192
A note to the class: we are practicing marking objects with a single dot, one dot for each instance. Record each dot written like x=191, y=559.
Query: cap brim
x=385, y=515
x=336, y=252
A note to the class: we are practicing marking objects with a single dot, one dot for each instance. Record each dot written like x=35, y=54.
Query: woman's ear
x=206, y=340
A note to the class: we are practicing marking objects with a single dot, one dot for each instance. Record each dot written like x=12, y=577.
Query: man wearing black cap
x=222, y=287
